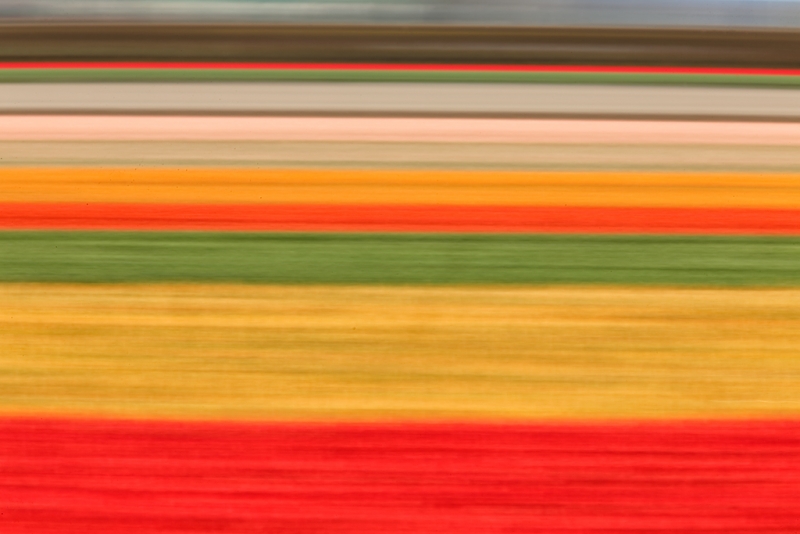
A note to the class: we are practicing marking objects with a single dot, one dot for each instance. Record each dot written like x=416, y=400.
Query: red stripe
x=124, y=477
x=376, y=218
x=401, y=67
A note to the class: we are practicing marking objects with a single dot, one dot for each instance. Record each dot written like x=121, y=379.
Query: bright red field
x=84, y=476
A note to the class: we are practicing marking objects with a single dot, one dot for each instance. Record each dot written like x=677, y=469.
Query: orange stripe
x=410, y=187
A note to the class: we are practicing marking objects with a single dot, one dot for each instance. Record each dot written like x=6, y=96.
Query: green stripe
x=220, y=75
x=352, y=258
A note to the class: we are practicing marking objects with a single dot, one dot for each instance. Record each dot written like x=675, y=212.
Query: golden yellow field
x=316, y=352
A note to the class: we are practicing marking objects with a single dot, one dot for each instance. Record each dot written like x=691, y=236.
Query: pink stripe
x=587, y=69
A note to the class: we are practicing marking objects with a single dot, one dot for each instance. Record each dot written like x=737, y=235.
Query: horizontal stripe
x=17, y=74
x=408, y=353
x=305, y=258
x=122, y=477
x=399, y=98
x=383, y=186
x=388, y=155
x=139, y=65
x=393, y=218
x=148, y=71
x=397, y=129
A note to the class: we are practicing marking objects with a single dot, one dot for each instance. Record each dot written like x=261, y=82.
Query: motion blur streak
x=400, y=218
x=126, y=477
x=616, y=135
x=385, y=186
x=574, y=13
x=396, y=98
x=372, y=352
x=409, y=266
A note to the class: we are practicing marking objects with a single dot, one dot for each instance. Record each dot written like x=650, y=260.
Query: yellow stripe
x=409, y=353
x=401, y=187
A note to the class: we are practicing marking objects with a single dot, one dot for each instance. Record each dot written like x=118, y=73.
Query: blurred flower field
x=405, y=324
